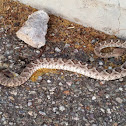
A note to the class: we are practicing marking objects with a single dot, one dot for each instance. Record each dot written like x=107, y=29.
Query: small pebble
x=61, y=108
x=75, y=118
x=93, y=41
x=44, y=125
x=69, y=83
x=11, y=123
x=60, y=84
x=11, y=98
x=108, y=111
x=29, y=103
x=37, y=51
x=100, y=63
x=3, y=119
x=119, y=100
x=9, y=57
x=42, y=113
x=1, y=30
x=64, y=123
x=14, y=92
x=30, y=113
x=91, y=59
x=121, y=89
x=107, y=96
x=48, y=81
x=39, y=78
x=52, y=89
x=75, y=50
x=48, y=96
x=110, y=68
x=102, y=110
x=121, y=79
x=93, y=98
x=57, y=49
x=4, y=122
x=67, y=45
x=94, y=125
x=32, y=92
x=102, y=82
x=54, y=109
x=90, y=88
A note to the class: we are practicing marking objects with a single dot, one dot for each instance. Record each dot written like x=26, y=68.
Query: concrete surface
x=108, y=16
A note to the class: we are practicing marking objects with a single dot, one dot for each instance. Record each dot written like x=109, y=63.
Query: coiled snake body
x=71, y=65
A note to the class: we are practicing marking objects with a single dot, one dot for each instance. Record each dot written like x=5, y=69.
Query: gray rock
x=34, y=30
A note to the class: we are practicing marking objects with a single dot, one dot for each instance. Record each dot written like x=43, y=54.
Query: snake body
x=71, y=65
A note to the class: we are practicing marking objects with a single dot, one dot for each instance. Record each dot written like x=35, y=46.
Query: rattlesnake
x=72, y=65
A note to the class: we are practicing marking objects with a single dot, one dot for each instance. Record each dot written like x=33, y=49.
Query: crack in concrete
x=119, y=15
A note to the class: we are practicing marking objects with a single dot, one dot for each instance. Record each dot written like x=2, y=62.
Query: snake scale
x=72, y=65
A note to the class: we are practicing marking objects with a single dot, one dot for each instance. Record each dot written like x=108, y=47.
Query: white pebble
x=48, y=96
x=11, y=123
x=67, y=45
x=5, y=122
x=75, y=51
x=57, y=49
x=109, y=67
x=103, y=82
x=108, y=111
x=93, y=41
x=42, y=113
x=100, y=63
x=32, y=92
x=3, y=119
x=93, y=125
x=64, y=123
x=102, y=110
x=75, y=118
x=54, y=109
x=37, y=51
x=107, y=96
x=121, y=79
x=60, y=84
x=53, y=102
x=61, y=108
x=120, y=88
x=52, y=89
x=93, y=98
x=91, y=59
x=48, y=81
x=30, y=113
x=44, y=125
x=119, y=100
x=29, y=103
x=14, y=92
x=69, y=83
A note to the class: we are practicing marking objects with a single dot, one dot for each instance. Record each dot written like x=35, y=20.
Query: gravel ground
x=58, y=99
